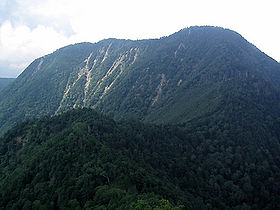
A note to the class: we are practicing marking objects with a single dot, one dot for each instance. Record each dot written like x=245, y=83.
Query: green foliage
x=83, y=160
x=152, y=202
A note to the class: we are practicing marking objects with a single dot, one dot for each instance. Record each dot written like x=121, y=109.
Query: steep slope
x=81, y=159
x=169, y=80
x=5, y=82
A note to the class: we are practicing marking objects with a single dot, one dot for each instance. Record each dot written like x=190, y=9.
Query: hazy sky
x=32, y=28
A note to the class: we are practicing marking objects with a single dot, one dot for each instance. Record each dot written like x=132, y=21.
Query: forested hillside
x=187, y=121
x=81, y=159
x=5, y=81
x=173, y=79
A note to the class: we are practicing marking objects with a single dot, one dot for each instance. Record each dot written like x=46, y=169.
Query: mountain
x=5, y=81
x=188, y=121
x=195, y=72
x=83, y=160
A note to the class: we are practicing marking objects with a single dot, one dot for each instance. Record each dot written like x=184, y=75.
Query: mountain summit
x=210, y=104
x=192, y=73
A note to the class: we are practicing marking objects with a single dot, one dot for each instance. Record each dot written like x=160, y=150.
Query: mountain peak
x=215, y=96
x=208, y=30
x=169, y=80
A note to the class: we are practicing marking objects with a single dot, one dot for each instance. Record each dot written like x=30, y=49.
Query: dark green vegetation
x=81, y=159
x=212, y=101
x=5, y=81
x=169, y=80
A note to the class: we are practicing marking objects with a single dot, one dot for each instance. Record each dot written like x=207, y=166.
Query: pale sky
x=32, y=28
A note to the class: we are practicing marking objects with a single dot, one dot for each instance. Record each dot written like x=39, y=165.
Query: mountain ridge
x=178, y=77
x=188, y=121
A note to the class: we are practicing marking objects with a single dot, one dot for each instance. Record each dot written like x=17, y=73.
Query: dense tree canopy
x=83, y=160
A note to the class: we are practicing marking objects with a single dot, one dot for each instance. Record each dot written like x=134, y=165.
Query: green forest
x=187, y=121
x=84, y=160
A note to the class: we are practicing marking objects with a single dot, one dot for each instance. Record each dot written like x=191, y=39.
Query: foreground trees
x=83, y=160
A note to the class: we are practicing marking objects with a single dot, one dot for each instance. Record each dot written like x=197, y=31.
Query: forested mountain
x=193, y=72
x=81, y=159
x=188, y=121
x=5, y=81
